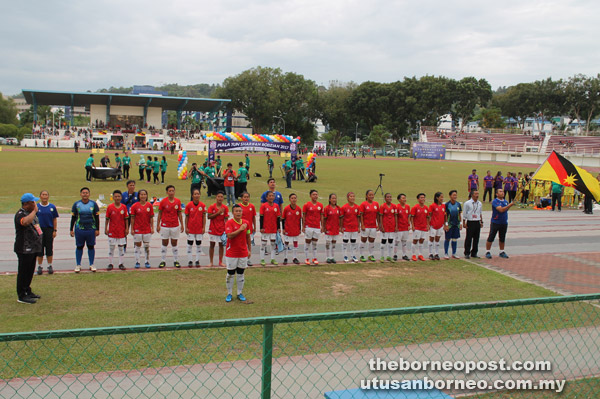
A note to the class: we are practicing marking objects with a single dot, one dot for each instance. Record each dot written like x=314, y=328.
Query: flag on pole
x=560, y=170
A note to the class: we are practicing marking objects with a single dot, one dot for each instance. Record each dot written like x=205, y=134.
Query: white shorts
x=268, y=236
x=388, y=236
x=215, y=238
x=436, y=232
x=419, y=235
x=194, y=237
x=235, y=263
x=403, y=235
x=350, y=235
x=117, y=241
x=169, y=232
x=310, y=233
x=329, y=238
x=142, y=237
x=369, y=233
x=288, y=239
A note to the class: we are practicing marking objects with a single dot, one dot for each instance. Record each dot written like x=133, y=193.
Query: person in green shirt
x=242, y=177
x=270, y=165
x=118, y=164
x=219, y=163
x=89, y=165
x=149, y=165
x=299, y=169
x=247, y=164
x=142, y=165
x=289, y=172
x=196, y=175
x=163, y=169
x=126, y=164
x=155, y=170
x=557, y=192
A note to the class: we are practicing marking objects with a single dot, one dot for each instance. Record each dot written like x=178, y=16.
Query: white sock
x=421, y=248
x=333, y=250
x=229, y=283
x=396, y=247
x=111, y=254
x=198, y=250
x=306, y=245
x=327, y=248
x=437, y=248
x=121, y=254
x=189, y=251
x=163, y=253
x=415, y=249
x=362, y=248
x=404, y=247
x=240, y=283
x=391, y=247
x=354, y=247
x=295, y=250
x=285, y=250
x=382, y=246
x=137, y=252
x=175, y=251
x=263, y=249
x=371, y=248
x=273, y=247
x=430, y=248
x=314, y=249
x=147, y=250
x=345, y=248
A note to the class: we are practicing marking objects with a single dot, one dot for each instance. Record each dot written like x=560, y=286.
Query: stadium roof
x=43, y=97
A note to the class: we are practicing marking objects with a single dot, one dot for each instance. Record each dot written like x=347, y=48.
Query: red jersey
x=195, y=214
x=369, y=212
x=403, y=213
x=229, y=178
x=249, y=214
x=438, y=215
x=351, y=214
x=313, y=214
x=170, y=212
x=419, y=214
x=217, y=225
x=116, y=217
x=388, y=217
x=270, y=213
x=293, y=221
x=237, y=247
x=143, y=214
x=332, y=220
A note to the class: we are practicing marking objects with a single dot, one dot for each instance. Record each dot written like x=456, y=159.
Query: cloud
x=81, y=45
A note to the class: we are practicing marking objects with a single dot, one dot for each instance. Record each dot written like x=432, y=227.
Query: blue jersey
x=278, y=198
x=499, y=217
x=453, y=213
x=129, y=200
x=85, y=215
x=46, y=215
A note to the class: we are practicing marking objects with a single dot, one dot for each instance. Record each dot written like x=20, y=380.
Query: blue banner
x=429, y=150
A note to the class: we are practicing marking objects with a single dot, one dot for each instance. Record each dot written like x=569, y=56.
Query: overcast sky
x=81, y=45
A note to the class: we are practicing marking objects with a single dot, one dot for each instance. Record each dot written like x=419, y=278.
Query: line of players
x=356, y=225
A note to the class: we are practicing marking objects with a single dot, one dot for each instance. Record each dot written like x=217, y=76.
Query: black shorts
x=47, y=241
x=497, y=228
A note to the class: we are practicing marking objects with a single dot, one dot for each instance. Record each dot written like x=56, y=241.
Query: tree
x=469, y=93
x=8, y=110
x=518, y=102
x=548, y=99
x=491, y=118
x=334, y=109
x=378, y=136
x=582, y=94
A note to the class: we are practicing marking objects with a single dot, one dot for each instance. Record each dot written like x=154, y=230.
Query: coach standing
x=28, y=244
x=472, y=222
x=499, y=224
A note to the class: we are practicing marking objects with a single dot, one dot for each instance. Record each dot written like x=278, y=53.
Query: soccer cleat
x=122, y=267
x=354, y=259
x=50, y=270
x=346, y=260
x=162, y=265
x=382, y=259
x=40, y=270
x=467, y=256
x=228, y=298
x=405, y=258
x=285, y=261
x=34, y=296
x=395, y=258
x=262, y=262
x=137, y=265
x=362, y=258
x=147, y=265
x=307, y=261
x=197, y=263
x=190, y=264
x=315, y=261
x=77, y=269
x=110, y=267
x=503, y=255
x=274, y=262
x=176, y=264
x=371, y=258
x=92, y=269
x=421, y=258
x=488, y=255
x=296, y=261
x=333, y=261
x=241, y=297
x=27, y=300
x=431, y=257
x=328, y=260
x=390, y=259
x=249, y=264
x=475, y=257
x=436, y=257
x=455, y=257
x=446, y=257
x=414, y=258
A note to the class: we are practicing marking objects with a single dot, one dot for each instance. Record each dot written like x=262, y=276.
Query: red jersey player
x=388, y=227
x=311, y=216
x=419, y=220
x=217, y=214
x=195, y=220
x=291, y=219
x=437, y=214
x=331, y=226
x=236, y=255
x=350, y=226
x=270, y=220
x=142, y=227
x=369, y=210
x=249, y=215
x=169, y=224
x=116, y=228
x=403, y=213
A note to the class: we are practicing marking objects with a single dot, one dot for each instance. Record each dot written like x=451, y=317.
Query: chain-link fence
x=308, y=356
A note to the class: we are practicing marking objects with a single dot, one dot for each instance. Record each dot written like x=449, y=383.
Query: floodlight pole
x=356, y=139
x=283, y=120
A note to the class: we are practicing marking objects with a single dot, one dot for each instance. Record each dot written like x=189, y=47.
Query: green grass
x=62, y=174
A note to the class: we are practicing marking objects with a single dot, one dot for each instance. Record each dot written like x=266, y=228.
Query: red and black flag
x=560, y=170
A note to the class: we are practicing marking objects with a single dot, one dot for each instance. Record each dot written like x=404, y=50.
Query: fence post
x=267, y=360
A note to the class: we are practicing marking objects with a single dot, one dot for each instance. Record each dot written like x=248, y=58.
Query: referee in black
x=472, y=222
x=28, y=244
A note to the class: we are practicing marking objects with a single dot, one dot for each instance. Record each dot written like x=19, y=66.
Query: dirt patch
x=340, y=289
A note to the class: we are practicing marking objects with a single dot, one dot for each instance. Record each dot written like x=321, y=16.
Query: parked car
x=2, y=141
x=12, y=141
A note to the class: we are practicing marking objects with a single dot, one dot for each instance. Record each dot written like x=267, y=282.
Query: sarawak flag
x=560, y=170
